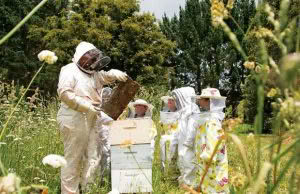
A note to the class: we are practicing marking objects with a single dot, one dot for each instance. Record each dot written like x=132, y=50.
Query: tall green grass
x=33, y=134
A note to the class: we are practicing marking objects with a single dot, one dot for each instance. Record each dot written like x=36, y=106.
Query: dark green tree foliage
x=133, y=41
x=204, y=54
x=18, y=58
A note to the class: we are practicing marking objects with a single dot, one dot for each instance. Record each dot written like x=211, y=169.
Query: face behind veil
x=183, y=100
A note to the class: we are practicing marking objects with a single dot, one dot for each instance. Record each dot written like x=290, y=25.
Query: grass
x=33, y=134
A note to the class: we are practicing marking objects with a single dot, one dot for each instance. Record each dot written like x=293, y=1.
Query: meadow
x=33, y=133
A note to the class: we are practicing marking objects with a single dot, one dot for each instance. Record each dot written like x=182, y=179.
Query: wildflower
x=257, y=69
x=249, y=65
x=238, y=180
x=218, y=12
x=9, y=183
x=231, y=123
x=126, y=143
x=264, y=32
x=230, y=4
x=47, y=56
x=272, y=93
x=55, y=161
x=266, y=69
x=268, y=8
x=17, y=139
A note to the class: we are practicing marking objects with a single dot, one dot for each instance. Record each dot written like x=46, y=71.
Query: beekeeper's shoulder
x=71, y=68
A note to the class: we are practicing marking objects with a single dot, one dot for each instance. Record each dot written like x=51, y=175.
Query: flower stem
x=21, y=23
x=14, y=109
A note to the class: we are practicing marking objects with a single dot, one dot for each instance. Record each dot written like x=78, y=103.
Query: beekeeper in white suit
x=204, y=132
x=169, y=121
x=79, y=89
x=184, y=105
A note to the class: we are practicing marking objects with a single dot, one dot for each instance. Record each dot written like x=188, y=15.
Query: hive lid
x=138, y=131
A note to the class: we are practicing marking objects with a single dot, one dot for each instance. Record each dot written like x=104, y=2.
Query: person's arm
x=108, y=77
x=67, y=95
x=191, y=133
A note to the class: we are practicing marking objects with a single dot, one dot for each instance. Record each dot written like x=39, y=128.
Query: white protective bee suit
x=204, y=129
x=169, y=122
x=80, y=120
x=104, y=135
x=183, y=100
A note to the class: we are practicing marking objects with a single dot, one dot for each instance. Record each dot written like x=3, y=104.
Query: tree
x=133, y=41
x=17, y=57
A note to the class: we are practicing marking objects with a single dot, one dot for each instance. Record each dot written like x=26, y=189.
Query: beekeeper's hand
x=105, y=119
x=118, y=75
x=94, y=110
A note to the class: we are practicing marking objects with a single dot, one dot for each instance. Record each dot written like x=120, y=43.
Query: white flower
x=17, y=139
x=47, y=56
x=55, y=161
x=114, y=191
x=9, y=183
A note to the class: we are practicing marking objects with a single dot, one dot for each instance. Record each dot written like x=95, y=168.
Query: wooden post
x=120, y=98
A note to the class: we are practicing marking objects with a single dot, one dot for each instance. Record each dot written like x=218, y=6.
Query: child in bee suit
x=183, y=101
x=79, y=89
x=169, y=122
x=204, y=132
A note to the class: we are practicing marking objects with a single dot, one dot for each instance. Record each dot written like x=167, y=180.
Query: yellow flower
x=127, y=143
x=257, y=69
x=230, y=124
x=272, y=93
x=249, y=65
x=230, y=4
x=218, y=12
x=47, y=56
x=238, y=180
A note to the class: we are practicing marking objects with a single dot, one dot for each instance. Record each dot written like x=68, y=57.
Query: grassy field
x=34, y=134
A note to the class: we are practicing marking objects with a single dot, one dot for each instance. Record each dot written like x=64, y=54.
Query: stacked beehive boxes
x=131, y=165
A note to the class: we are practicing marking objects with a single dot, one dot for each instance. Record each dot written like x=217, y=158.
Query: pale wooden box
x=131, y=167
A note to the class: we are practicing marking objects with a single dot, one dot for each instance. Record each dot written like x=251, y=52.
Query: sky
x=159, y=7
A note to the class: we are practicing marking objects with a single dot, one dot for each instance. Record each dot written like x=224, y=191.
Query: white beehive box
x=131, y=167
